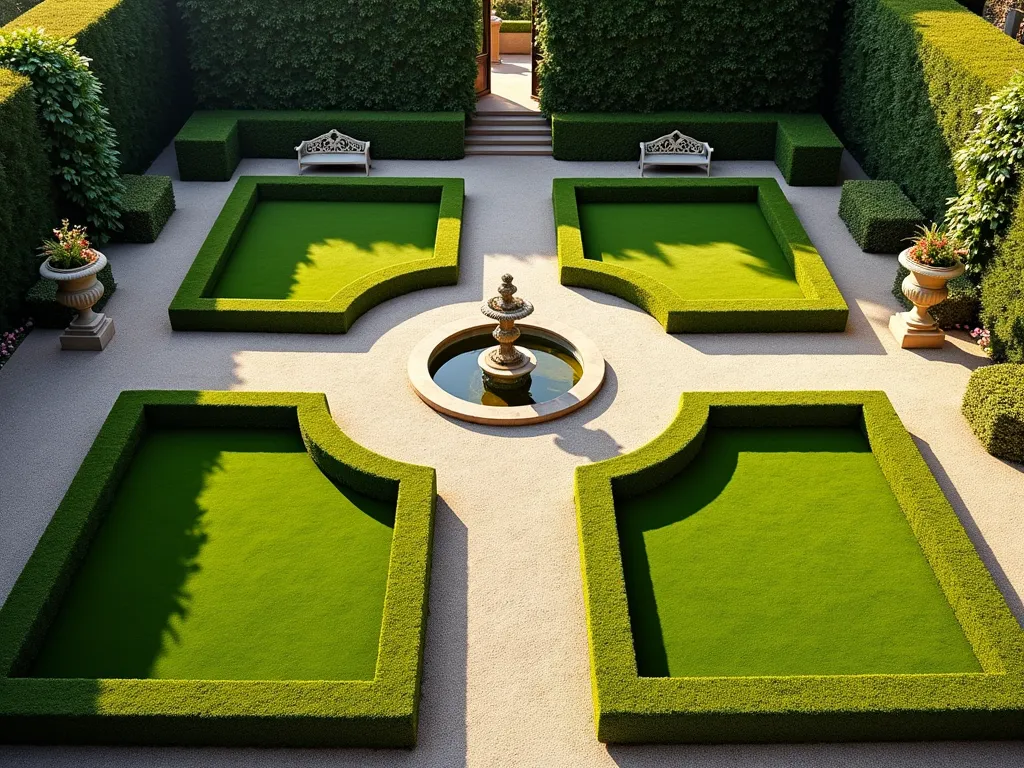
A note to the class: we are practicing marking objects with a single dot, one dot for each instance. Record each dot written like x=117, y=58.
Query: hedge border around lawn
x=823, y=309
x=211, y=144
x=192, y=309
x=878, y=215
x=147, y=204
x=379, y=713
x=632, y=709
x=803, y=146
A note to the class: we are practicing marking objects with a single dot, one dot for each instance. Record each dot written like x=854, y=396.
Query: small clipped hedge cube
x=879, y=216
x=147, y=205
x=994, y=407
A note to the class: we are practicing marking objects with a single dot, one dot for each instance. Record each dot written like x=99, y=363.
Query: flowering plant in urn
x=70, y=249
x=933, y=259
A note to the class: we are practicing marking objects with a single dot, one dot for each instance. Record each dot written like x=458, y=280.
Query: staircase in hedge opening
x=493, y=132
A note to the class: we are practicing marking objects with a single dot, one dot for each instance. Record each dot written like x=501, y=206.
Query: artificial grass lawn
x=697, y=250
x=309, y=250
x=226, y=555
x=782, y=551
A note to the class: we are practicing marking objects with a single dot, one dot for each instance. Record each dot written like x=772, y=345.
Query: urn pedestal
x=925, y=287
x=79, y=289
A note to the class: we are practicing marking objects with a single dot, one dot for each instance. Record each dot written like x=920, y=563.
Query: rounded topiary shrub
x=994, y=407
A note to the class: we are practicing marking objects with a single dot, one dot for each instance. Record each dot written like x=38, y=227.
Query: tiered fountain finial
x=507, y=366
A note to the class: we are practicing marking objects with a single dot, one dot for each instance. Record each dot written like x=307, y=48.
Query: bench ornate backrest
x=676, y=143
x=332, y=142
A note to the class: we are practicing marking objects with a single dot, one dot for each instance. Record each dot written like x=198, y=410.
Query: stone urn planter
x=80, y=289
x=925, y=287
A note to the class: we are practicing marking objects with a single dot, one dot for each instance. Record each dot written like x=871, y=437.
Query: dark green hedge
x=147, y=204
x=41, y=302
x=879, y=216
x=378, y=713
x=633, y=709
x=911, y=74
x=193, y=309
x=211, y=144
x=822, y=308
x=516, y=25
x=26, y=203
x=701, y=55
x=961, y=307
x=994, y=407
x=138, y=57
x=1002, y=295
x=332, y=54
x=803, y=146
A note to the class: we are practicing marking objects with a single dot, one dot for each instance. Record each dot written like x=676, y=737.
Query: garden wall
x=406, y=55
x=698, y=55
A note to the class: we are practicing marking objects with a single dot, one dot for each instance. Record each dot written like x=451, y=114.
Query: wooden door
x=535, y=57
x=483, y=56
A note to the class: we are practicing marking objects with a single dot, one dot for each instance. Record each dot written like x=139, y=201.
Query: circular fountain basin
x=445, y=373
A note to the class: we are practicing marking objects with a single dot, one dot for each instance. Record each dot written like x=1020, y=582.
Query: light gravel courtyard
x=507, y=678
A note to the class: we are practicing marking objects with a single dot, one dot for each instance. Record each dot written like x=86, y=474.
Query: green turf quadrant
x=227, y=568
x=696, y=250
x=310, y=250
x=312, y=254
x=713, y=554
x=699, y=255
x=782, y=551
x=226, y=555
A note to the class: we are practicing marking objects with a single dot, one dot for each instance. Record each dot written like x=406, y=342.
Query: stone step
x=499, y=139
x=508, y=149
x=529, y=118
x=489, y=129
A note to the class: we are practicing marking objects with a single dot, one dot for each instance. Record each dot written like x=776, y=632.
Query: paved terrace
x=507, y=673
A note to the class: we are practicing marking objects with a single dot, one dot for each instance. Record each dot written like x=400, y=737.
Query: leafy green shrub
x=12, y=9
x=138, y=54
x=961, y=307
x=517, y=26
x=148, y=204
x=701, y=55
x=1002, y=296
x=911, y=74
x=41, y=302
x=994, y=407
x=26, y=207
x=879, y=216
x=511, y=10
x=81, y=144
x=332, y=54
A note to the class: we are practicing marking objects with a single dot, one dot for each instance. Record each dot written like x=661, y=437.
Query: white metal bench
x=334, y=148
x=676, y=149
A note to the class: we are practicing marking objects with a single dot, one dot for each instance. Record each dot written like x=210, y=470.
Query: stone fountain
x=507, y=366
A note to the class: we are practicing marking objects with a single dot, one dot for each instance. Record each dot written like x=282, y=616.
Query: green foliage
x=823, y=309
x=194, y=308
x=12, y=9
x=991, y=164
x=512, y=10
x=378, y=713
x=211, y=144
x=879, y=216
x=803, y=146
x=41, y=302
x=994, y=407
x=137, y=53
x=81, y=144
x=633, y=709
x=911, y=74
x=26, y=207
x=609, y=55
x=517, y=26
x=1002, y=296
x=147, y=204
x=961, y=307
x=325, y=54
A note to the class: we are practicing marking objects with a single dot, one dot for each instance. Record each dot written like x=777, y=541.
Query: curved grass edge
x=378, y=713
x=823, y=309
x=193, y=310
x=631, y=709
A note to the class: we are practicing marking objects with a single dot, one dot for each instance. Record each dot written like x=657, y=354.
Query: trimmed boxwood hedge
x=12, y=9
x=994, y=407
x=211, y=144
x=517, y=26
x=381, y=712
x=41, y=302
x=633, y=709
x=961, y=307
x=804, y=148
x=1002, y=295
x=879, y=216
x=147, y=204
x=823, y=309
x=194, y=310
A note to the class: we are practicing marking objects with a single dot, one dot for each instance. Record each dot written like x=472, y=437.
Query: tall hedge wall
x=12, y=9
x=136, y=53
x=403, y=55
x=698, y=55
x=911, y=74
x=25, y=202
